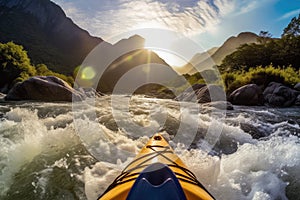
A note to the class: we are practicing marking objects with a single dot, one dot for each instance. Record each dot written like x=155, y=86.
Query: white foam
x=256, y=170
x=31, y=139
x=98, y=178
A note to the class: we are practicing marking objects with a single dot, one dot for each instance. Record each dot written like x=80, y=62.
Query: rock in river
x=248, y=95
x=276, y=94
x=297, y=102
x=43, y=88
x=297, y=87
x=203, y=93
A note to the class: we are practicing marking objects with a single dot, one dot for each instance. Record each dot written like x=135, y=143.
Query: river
x=75, y=150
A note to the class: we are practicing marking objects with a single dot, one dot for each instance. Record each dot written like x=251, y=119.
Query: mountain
x=197, y=58
x=129, y=64
x=215, y=56
x=46, y=33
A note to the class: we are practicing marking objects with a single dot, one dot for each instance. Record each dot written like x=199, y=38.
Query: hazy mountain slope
x=197, y=58
x=228, y=47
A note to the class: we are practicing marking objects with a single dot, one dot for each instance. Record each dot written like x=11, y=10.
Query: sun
x=173, y=47
x=166, y=44
x=170, y=57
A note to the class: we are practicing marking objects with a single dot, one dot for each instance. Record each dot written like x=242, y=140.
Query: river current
x=75, y=150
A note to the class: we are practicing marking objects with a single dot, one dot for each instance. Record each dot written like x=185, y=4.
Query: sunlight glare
x=87, y=73
x=164, y=44
x=171, y=58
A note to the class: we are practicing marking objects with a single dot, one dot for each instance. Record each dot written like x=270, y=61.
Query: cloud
x=106, y=18
x=290, y=14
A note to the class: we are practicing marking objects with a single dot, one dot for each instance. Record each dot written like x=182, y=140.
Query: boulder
x=297, y=102
x=190, y=93
x=248, y=95
x=44, y=88
x=252, y=130
x=202, y=93
x=210, y=93
x=271, y=87
x=4, y=89
x=276, y=94
x=297, y=87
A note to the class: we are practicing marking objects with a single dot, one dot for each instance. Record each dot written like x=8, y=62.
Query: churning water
x=46, y=154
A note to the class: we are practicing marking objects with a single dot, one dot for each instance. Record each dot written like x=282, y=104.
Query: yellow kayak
x=156, y=173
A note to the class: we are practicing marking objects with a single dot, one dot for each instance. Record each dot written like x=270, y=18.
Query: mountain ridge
x=212, y=57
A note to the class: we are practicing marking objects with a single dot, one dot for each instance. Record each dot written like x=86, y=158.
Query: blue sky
x=206, y=22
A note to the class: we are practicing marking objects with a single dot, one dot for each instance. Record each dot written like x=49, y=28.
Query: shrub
x=261, y=76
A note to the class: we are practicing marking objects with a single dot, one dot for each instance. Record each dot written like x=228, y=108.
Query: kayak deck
x=157, y=150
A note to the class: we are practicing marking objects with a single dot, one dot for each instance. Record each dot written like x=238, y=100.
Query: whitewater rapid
x=46, y=154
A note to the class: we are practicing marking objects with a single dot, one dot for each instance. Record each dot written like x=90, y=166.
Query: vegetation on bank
x=15, y=66
x=266, y=61
x=261, y=76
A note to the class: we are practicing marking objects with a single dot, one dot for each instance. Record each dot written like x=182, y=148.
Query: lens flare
x=87, y=73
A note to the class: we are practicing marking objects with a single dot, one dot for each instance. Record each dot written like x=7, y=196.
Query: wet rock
x=44, y=88
x=190, y=93
x=210, y=93
x=297, y=87
x=297, y=102
x=276, y=94
x=248, y=95
x=2, y=95
x=202, y=93
x=252, y=130
x=221, y=105
x=4, y=89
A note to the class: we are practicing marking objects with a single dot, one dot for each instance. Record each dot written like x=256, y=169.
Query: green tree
x=264, y=37
x=293, y=28
x=290, y=43
x=282, y=52
x=246, y=56
x=15, y=65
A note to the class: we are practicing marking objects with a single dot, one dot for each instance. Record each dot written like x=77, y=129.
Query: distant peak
x=243, y=34
x=135, y=40
x=136, y=37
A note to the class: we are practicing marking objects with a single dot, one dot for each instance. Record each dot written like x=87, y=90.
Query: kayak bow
x=156, y=173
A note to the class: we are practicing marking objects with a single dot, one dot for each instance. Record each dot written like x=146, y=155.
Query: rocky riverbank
x=51, y=88
x=274, y=95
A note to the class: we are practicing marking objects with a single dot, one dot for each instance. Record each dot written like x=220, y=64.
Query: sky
x=170, y=25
